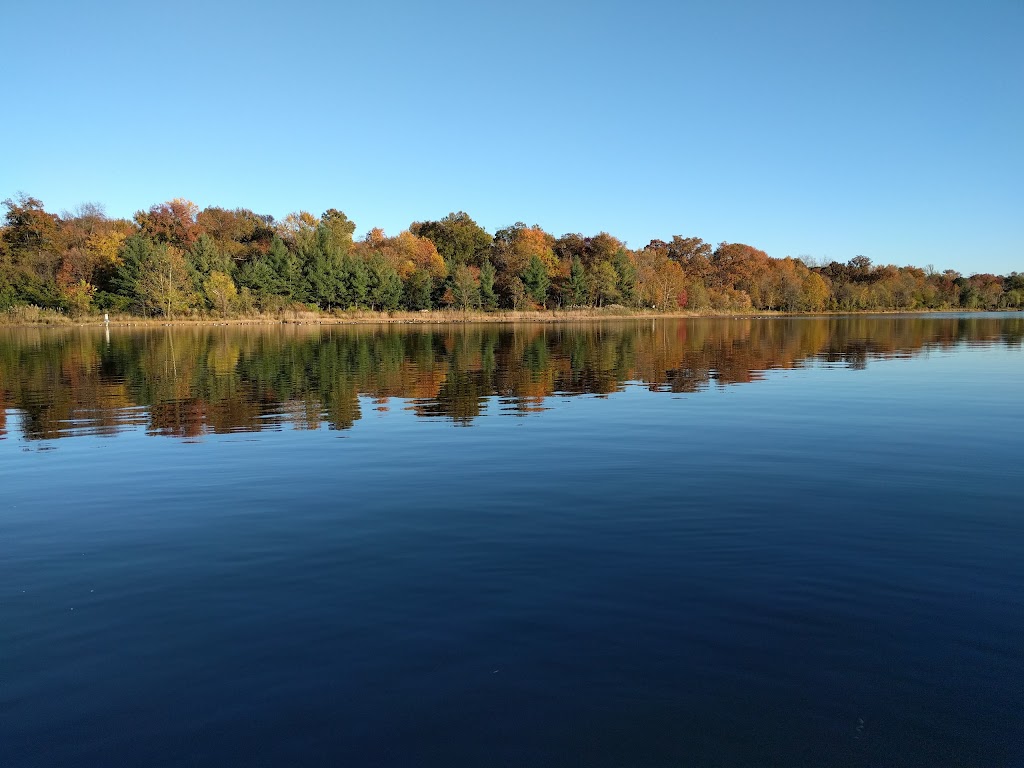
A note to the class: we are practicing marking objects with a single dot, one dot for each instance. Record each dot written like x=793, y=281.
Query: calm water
x=680, y=543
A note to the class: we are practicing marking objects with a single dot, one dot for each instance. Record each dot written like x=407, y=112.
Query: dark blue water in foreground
x=729, y=543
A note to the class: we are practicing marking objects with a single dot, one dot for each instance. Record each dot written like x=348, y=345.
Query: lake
x=737, y=542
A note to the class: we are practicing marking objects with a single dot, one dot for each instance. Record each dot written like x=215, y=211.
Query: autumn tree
x=220, y=291
x=513, y=249
x=406, y=253
x=297, y=228
x=239, y=234
x=458, y=238
x=33, y=243
x=604, y=282
x=601, y=247
x=173, y=222
x=740, y=267
x=81, y=260
x=660, y=281
x=89, y=246
x=692, y=254
x=815, y=292
x=569, y=246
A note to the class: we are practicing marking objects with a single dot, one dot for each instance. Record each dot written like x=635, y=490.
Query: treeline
x=175, y=260
x=193, y=380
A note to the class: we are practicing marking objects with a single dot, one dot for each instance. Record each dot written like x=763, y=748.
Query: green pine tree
x=536, y=280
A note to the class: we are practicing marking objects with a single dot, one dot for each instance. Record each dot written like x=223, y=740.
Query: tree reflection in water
x=188, y=381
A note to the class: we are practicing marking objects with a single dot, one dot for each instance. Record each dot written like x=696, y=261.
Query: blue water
x=818, y=566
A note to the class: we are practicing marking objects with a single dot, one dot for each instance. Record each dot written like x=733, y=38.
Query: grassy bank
x=32, y=315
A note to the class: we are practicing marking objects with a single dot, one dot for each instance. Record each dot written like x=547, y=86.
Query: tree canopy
x=174, y=258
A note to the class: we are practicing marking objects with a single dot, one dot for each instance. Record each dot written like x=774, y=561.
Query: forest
x=174, y=260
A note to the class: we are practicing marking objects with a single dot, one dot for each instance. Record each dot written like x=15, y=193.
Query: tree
x=601, y=247
x=89, y=246
x=418, y=290
x=625, y=271
x=323, y=267
x=458, y=238
x=340, y=227
x=514, y=246
x=165, y=283
x=385, y=290
x=239, y=234
x=205, y=257
x=173, y=222
x=33, y=239
x=605, y=283
x=406, y=253
x=488, y=298
x=660, y=281
x=282, y=263
x=569, y=246
x=815, y=292
x=577, y=287
x=536, y=280
x=517, y=293
x=692, y=254
x=356, y=283
x=859, y=268
x=135, y=256
x=259, y=277
x=77, y=297
x=220, y=291
x=740, y=267
x=466, y=287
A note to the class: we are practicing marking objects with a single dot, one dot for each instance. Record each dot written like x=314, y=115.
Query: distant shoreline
x=35, y=317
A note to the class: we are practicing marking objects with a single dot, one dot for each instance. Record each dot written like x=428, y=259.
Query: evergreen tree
x=536, y=280
x=205, y=257
x=418, y=289
x=488, y=298
x=357, y=283
x=323, y=270
x=626, y=271
x=259, y=277
x=576, y=288
x=284, y=269
x=135, y=253
x=385, y=290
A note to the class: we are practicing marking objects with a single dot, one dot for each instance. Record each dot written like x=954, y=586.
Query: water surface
x=711, y=542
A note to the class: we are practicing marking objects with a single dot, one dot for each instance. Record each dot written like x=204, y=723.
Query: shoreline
x=50, y=318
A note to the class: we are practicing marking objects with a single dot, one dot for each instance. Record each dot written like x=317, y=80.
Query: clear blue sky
x=889, y=129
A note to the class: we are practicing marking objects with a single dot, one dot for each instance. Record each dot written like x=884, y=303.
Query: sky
x=893, y=130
